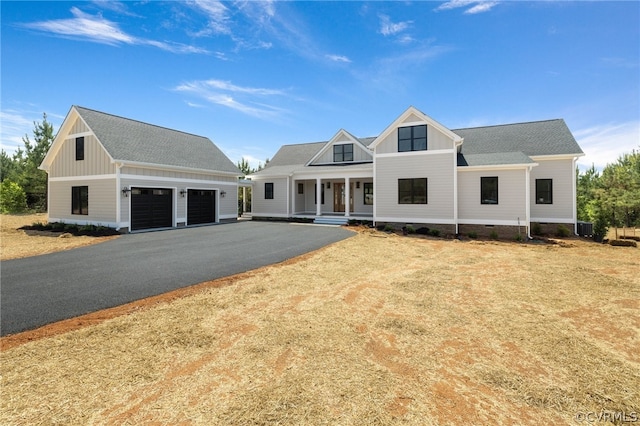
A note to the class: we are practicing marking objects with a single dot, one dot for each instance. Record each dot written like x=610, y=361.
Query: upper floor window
x=343, y=153
x=80, y=148
x=79, y=200
x=412, y=191
x=412, y=138
x=544, y=191
x=489, y=190
x=268, y=191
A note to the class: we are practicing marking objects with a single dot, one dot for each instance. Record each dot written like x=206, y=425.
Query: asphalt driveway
x=39, y=290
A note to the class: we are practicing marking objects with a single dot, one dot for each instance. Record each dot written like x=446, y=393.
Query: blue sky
x=252, y=76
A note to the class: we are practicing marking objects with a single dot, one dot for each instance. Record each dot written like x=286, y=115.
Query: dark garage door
x=201, y=206
x=151, y=208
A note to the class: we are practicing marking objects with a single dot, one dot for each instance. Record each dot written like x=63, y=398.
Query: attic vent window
x=412, y=138
x=80, y=148
x=343, y=153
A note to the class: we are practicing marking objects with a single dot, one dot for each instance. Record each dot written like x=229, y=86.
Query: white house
x=417, y=171
x=117, y=172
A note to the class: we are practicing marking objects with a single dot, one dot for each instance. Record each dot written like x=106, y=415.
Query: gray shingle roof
x=551, y=137
x=494, y=159
x=135, y=141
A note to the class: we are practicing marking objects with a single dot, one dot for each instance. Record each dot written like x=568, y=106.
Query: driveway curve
x=43, y=289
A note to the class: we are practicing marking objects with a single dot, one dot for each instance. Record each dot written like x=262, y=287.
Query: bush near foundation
x=623, y=243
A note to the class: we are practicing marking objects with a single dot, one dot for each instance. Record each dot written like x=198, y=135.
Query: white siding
x=102, y=201
x=437, y=168
x=435, y=140
x=511, y=197
x=274, y=207
x=563, y=174
x=96, y=160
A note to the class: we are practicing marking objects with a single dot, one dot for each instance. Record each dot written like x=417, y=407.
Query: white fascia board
x=333, y=141
x=330, y=174
x=416, y=153
x=555, y=157
x=175, y=168
x=415, y=220
x=496, y=167
x=269, y=215
x=82, y=178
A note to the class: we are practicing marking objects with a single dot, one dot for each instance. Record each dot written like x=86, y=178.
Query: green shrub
x=57, y=226
x=562, y=231
x=388, y=228
x=623, y=243
x=519, y=238
x=411, y=229
x=473, y=234
x=12, y=198
x=434, y=232
x=493, y=235
x=423, y=231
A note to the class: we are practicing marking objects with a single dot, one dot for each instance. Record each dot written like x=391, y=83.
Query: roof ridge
x=140, y=122
x=508, y=124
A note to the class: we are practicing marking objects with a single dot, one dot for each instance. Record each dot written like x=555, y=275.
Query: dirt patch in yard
x=376, y=329
x=16, y=243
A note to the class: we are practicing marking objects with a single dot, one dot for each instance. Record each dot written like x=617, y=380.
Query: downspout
x=575, y=195
x=455, y=183
x=118, y=196
x=289, y=190
x=528, y=200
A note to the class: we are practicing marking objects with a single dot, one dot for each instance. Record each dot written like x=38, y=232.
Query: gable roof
x=131, y=141
x=339, y=138
x=550, y=137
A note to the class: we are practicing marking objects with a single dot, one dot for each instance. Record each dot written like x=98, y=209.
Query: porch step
x=325, y=220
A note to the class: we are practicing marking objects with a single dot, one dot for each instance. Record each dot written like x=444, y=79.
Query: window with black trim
x=343, y=153
x=80, y=200
x=412, y=138
x=80, y=148
x=544, y=191
x=368, y=193
x=489, y=190
x=412, y=191
x=268, y=191
x=315, y=193
x=301, y=188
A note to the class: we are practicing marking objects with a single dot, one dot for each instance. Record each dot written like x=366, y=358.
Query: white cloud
x=217, y=14
x=478, y=6
x=388, y=28
x=603, y=144
x=84, y=26
x=338, y=58
x=247, y=100
x=16, y=123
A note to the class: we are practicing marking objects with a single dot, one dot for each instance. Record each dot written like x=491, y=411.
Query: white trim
x=416, y=153
x=166, y=167
x=333, y=141
x=416, y=220
x=118, y=195
x=556, y=157
x=496, y=166
x=181, y=180
x=552, y=220
x=574, y=183
x=334, y=174
x=455, y=184
x=527, y=191
x=491, y=222
x=83, y=178
x=228, y=216
x=72, y=136
x=269, y=215
x=85, y=222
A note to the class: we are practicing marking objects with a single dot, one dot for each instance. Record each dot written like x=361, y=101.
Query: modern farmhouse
x=488, y=179
x=117, y=172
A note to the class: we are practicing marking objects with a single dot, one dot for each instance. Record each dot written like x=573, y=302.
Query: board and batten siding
x=435, y=140
x=437, y=168
x=359, y=154
x=274, y=207
x=102, y=201
x=96, y=160
x=511, y=197
x=563, y=175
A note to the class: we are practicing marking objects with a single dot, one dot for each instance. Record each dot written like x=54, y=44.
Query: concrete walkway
x=39, y=290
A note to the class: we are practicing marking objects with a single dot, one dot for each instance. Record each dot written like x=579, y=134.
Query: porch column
x=347, y=197
x=244, y=200
x=318, y=197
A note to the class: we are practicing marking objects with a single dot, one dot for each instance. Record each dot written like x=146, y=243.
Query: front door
x=339, y=197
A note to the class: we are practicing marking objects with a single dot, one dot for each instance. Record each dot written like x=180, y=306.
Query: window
x=412, y=191
x=489, y=190
x=315, y=193
x=412, y=138
x=301, y=188
x=544, y=191
x=268, y=191
x=368, y=193
x=342, y=153
x=80, y=148
x=79, y=200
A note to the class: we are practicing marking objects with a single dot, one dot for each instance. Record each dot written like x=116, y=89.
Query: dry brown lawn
x=376, y=329
x=16, y=243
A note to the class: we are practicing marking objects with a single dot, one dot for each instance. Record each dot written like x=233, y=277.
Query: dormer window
x=343, y=153
x=412, y=138
x=80, y=148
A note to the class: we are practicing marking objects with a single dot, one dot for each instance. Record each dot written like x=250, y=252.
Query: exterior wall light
x=183, y=192
x=125, y=191
x=223, y=193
